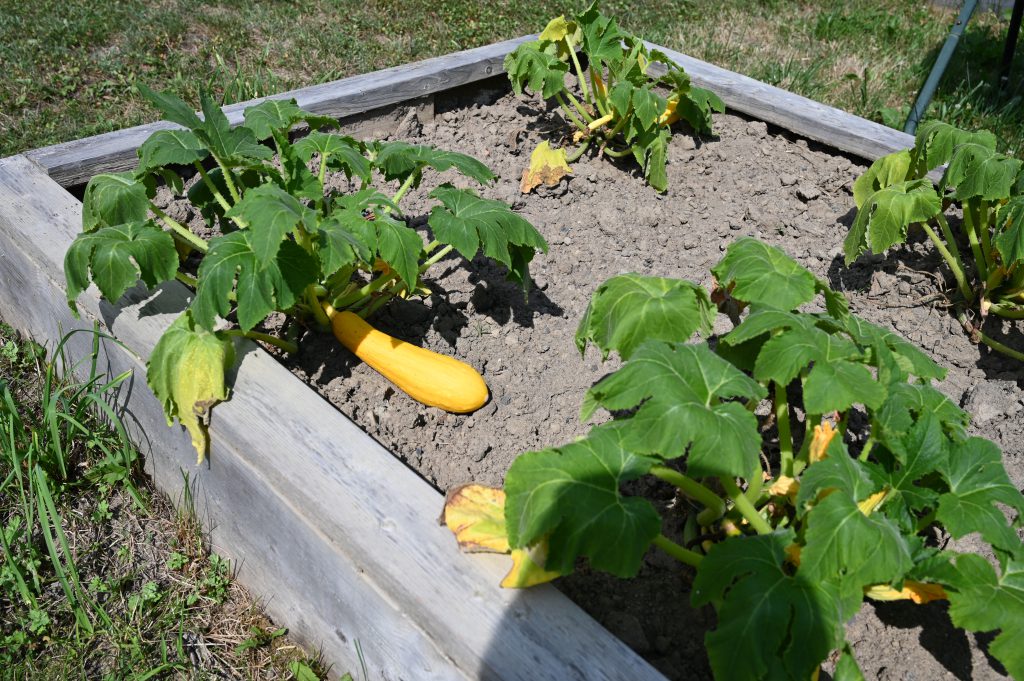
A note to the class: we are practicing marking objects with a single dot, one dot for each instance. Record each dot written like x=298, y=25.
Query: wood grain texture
x=74, y=162
x=337, y=537
x=805, y=117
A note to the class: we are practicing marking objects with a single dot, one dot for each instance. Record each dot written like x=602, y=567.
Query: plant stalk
x=683, y=555
x=229, y=180
x=579, y=70
x=954, y=262
x=212, y=187
x=287, y=346
x=568, y=112
x=181, y=230
x=712, y=503
x=409, y=181
x=785, y=435
x=744, y=506
x=978, y=336
x=575, y=156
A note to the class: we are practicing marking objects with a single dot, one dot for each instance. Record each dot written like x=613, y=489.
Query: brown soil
x=749, y=180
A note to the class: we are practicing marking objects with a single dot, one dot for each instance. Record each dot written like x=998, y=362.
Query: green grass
x=101, y=577
x=71, y=66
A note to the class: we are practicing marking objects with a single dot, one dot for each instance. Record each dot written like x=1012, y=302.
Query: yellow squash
x=435, y=380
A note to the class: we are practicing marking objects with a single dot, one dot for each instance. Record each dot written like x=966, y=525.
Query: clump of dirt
x=747, y=180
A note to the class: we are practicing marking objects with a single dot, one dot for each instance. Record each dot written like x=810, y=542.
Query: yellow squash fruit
x=435, y=380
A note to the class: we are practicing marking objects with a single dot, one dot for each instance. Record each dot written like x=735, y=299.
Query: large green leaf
x=888, y=170
x=859, y=550
x=261, y=289
x=186, y=372
x=630, y=309
x=764, y=275
x=172, y=107
x=117, y=257
x=837, y=471
x=653, y=148
x=935, y=142
x=906, y=403
x=398, y=160
x=602, y=39
x=571, y=496
x=976, y=171
x=232, y=146
x=391, y=241
x=977, y=482
x=341, y=151
x=339, y=244
x=113, y=199
x=911, y=358
x=279, y=115
x=916, y=455
x=271, y=213
x=170, y=147
x=982, y=601
x=695, y=106
x=530, y=67
x=771, y=624
x=839, y=384
x=1009, y=239
x=679, y=390
x=883, y=219
x=789, y=352
x=471, y=223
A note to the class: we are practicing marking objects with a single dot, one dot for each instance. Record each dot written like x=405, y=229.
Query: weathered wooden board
x=76, y=161
x=337, y=536
x=805, y=117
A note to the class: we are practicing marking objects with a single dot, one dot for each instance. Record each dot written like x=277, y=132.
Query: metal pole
x=924, y=98
x=1011, y=42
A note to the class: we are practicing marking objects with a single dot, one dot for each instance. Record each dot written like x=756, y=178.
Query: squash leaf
x=547, y=166
x=233, y=146
x=571, y=496
x=471, y=223
x=679, y=390
x=977, y=171
x=261, y=288
x=630, y=309
x=186, y=372
x=936, y=140
x=341, y=151
x=174, y=109
x=888, y=170
x=883, y=219
x=117, y=257
x=170, y=147
x=771, y=624
x=399, y=160
x=114, y=199
x=530, y=67
x=764, y=275
x=1009, y=239
x=271, y=213
x=279, y=115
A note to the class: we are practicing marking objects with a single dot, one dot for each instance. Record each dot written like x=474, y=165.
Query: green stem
x=926, y=521
x=1007, y=311
x=212, y=187
x=322, y=173
x=617, y=154
x=366, y=291
x=575, y=156
x=229, y=180
x=947, y=233
x=972, y=237
x=287, y=346
x=186, y=279
x=683, y=555
x=978, y=336
x=981, y=224
x=181, y=230
x=568, y=112
x=953, y=262
x=755, y=486
x=693, y=489
x=579, y=69
x=435, y=258
x=610, y=135
x=579, y=107
x=313, y=300
x=785, y=435
x=868, y=446
x=744, y=506
x=409, y=181
x=377, y=304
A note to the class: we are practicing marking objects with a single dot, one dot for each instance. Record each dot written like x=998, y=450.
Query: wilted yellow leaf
x=476, y=515
x=823, y=435
x=918, y=592
x=557, y=29
x=785, y=486
x=199, y=386
x=547, y=166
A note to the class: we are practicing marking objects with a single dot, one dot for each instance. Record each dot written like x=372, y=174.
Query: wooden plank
x=806, y=117
x=336, y=535
x=74, y=162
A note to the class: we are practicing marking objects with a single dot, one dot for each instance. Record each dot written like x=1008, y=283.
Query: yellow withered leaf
x=476, y=515
x=547, y=166
x=823, y=435
x=918, y=592
x=557, y=29
x=785, y=486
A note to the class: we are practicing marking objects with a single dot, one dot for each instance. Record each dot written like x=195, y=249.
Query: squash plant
x=621, y=113
x=895, y=193
x=283, y=241
x=792, y=521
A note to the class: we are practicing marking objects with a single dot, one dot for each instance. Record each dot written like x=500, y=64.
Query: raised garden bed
x=342, y=538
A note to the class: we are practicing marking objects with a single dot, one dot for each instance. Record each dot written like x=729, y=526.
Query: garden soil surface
x=749, y=179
